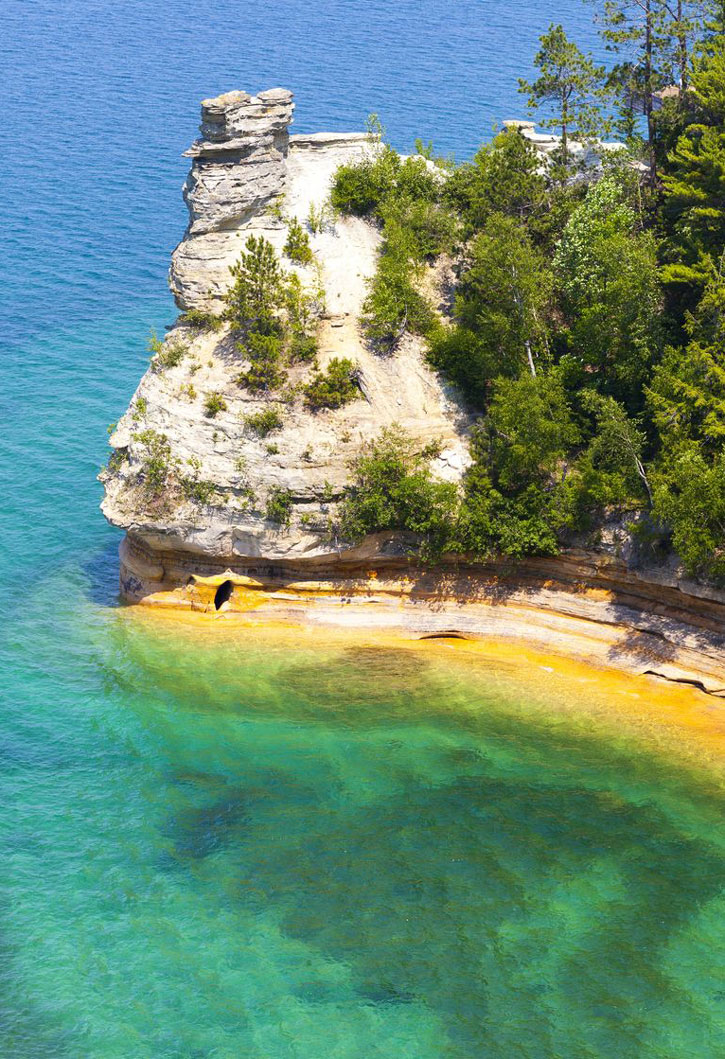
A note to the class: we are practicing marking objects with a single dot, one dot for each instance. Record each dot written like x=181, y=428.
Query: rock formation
x=587, y=155
x=248, y=176
x=205, y=540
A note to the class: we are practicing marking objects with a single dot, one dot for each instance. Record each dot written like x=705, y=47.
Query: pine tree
x=571, y=84
x=638, y=26
x=695, y=180
x=687, y=395
x=257, y=293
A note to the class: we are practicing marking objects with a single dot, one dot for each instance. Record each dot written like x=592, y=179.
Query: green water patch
x=308, y=849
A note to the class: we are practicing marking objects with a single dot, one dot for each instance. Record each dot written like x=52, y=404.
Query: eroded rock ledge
x=223, y=556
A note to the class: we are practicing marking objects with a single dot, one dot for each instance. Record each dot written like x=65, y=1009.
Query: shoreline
x=609, y=623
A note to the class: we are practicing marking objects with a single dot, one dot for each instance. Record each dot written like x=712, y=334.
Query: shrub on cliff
x=157, y=464
x=334, y=387
x=392, y=489
x=363, y=188
x=265, y=371
x=297, y=248
x=279, y=506
x=214, y=404
x=264, y=422
x=166, y=354
x=200, y=320
x=394, y=304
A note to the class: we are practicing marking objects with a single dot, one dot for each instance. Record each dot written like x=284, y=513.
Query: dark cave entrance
x=223, y=593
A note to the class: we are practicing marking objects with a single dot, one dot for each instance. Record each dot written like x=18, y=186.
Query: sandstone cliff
x=205, y=542
x=249, y=176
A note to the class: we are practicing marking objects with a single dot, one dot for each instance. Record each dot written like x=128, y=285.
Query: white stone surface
x=313, y=450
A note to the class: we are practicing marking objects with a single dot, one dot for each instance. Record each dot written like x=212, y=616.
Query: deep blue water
x=218, y=853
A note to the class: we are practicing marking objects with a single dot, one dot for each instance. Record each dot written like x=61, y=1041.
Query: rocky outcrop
x=207, y=542
x=587, y=155
x=238, y=169
x=249, y=176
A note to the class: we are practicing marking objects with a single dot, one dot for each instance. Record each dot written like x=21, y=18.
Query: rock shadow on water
x=375, y=680
x=100, y=570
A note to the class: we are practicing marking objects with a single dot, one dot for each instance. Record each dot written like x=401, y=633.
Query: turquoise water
x=266, y=849
x=258, y=848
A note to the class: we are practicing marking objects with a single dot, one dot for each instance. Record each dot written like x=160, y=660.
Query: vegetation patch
x=264, y=422
x=157, y=463
x=406, y=197
x=273, y=316
x=214, y=403
x=166, y=354
x=587, y=331
x=279, y=507
x=392, y=489
x=334, y=387
x=201, y=320
x=297, y=248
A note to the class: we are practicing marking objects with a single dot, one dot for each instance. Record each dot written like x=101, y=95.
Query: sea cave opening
x=223, y=593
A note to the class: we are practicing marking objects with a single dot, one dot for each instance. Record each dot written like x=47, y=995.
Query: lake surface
x=256, y=847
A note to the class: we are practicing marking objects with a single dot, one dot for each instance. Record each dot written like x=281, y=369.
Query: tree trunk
x=564, y=128
x=681, y=49
x=530, y=358
x=648, y=88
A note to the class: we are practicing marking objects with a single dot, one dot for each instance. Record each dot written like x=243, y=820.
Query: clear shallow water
x=277, y=850
x=272, y=847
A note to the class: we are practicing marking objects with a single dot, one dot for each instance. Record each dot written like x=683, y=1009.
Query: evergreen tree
x=695, y=179
x=570, y=84
x=610, y=292
x=504, y=177
x=257, y=294
x=637, y=26
x=687, y=395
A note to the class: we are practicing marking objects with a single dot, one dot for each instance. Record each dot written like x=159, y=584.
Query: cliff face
x=204, y=542
x=249, y=177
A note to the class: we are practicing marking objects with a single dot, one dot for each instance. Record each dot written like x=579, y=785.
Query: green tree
x=526, y=432
x=257, y=293
x=512, y=504
x=636, y=28
x=392, y=489
x=695, y=177
x=569, y=84
x=681, y=22
x=504, y=177
x=297, y=248
x=394, y=305
x=689, y=497
x=334, y=387
x=608, y=277
x=504, y=295
x=614, y=456
x=687, y=393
